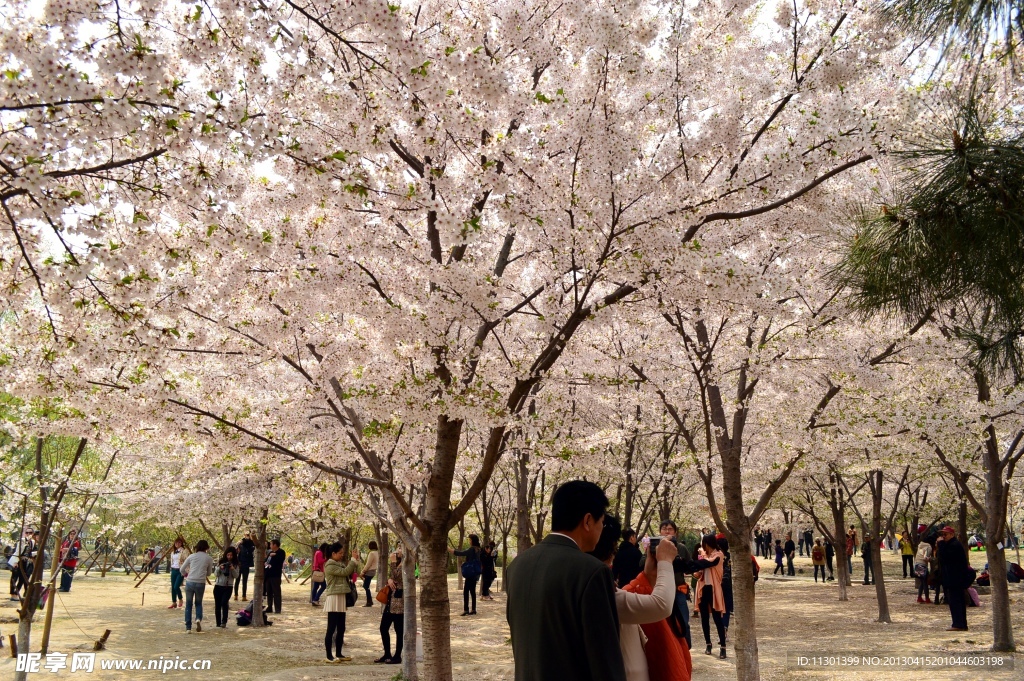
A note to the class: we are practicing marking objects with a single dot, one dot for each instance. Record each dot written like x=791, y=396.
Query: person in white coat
x=635, y=609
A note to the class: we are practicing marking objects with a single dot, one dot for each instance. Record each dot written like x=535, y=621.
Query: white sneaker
x=199, y=626
x=188, y=631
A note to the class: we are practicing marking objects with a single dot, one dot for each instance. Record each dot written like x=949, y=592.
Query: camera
x=654, y=544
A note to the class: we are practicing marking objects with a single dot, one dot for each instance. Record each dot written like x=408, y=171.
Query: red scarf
x=668, y=657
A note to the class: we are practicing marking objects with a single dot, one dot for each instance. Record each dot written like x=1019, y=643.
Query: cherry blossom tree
x=454, y=196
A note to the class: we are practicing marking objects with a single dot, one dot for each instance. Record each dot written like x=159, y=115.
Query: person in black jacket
x=471, y=571
x=789, y=549
x=626, y=565
x=487, y=558
x=246, y=560
x=561, y=601
x=272, y=571
x=955, y=573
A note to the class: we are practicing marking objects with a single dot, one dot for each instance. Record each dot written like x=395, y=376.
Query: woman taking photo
x=178, y=555
x=471, y=570
x=394, y=612
x=338, y=580
x=227, y=571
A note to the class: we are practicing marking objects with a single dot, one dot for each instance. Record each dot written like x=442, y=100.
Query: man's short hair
x=628, y=534
x=275, y=542
x=572, y=501
x=668, y=523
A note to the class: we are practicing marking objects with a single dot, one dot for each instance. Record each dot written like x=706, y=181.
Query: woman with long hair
x=710, y=597
x=318, y=579
x=178, y=555
x=394, y=612
x=227, y=571
x=337, y=576
x=471, y=571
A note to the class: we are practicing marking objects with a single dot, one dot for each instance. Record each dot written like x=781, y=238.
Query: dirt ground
x=795, y=616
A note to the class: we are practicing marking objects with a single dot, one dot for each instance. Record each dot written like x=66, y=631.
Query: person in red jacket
x=69, y=559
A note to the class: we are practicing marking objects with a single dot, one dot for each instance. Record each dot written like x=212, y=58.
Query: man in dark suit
x=561, y=601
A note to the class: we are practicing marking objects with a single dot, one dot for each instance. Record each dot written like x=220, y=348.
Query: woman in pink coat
x=710, y=598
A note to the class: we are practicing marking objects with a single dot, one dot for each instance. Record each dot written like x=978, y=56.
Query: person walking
x=907, y=551
x=394, y=612
x=489, y=573
x=246, y=561
x=472, y=568
x=370, y=571
x=273, y=570
x=317, y=579
x=196, y=568
x=779, y=552
x=818, y=560
x=790, y=549
x=69, y=560
x=830, y=554
x=710, y=597
x=850, y=549
x=227, y=571
x=561, y=601
x=339, y=583
x=922, y=567
x=865, y=554
x=178, y=555
x=955, y=572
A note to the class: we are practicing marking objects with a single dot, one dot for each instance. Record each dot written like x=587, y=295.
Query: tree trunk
x=996, y=498
x=744, y=620
x=409, y=603
x=382, y=564
x=876, y=548
x=524, y=539
x=257, y=578
x=433, y=554
x=842, y=571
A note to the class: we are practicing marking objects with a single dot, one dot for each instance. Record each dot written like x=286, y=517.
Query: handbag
x=350, y=599
x=383, y=594
x=318, y=576
x=920, y=570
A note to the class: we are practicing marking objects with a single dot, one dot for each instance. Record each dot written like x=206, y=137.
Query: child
x=778, y=557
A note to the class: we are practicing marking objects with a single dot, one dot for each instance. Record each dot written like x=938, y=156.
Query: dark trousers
x=789, y=565
x=243, y=577
x=957, y=602
x=335, y=633
x=366, y=587
x=801, y=544
x=221, y=598
x=387, y=621
x=469, y=591
x=20, y=575
x=683, y=606
x=908, y=566
x=707, y=596
x=317, y=590
x=869, y=575
x=779, y=569
x=922, y=588
x=816, y=568
x=272, y=590
x=485, y=584
x=828, y=562
x=66, y=575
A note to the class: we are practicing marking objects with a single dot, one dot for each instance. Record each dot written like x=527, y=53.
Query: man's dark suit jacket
x=561, y=611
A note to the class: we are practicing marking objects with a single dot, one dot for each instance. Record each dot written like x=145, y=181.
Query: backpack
x=756, y=567
x=471, y=569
